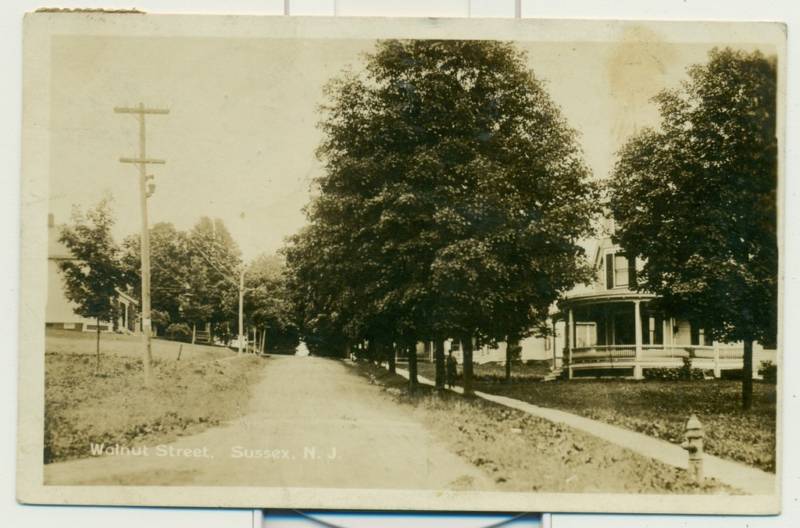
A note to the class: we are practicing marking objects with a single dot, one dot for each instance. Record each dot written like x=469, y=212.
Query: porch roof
x=602, y=297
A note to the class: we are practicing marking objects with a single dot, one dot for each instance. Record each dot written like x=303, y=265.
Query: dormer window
x=619, y=270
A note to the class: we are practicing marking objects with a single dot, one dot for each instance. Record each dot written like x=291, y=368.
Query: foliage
x=160, y=318
x=768, y=371
x=193, y=275
x=697, y=199
x=94, y=273
x=267, y=302
x=673, y=374
x=213, y=293
x=453, y=198
x=170, y=269
x=179, y=332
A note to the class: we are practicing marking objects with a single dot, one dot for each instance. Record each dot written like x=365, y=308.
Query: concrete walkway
x=743, y=477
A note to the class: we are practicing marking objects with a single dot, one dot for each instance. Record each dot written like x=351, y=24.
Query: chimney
x=51, y=220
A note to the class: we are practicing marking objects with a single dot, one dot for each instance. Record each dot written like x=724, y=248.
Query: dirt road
x=311, y=423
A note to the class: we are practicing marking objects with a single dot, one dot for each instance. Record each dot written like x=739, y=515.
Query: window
x=585, y=335
x=620, y=271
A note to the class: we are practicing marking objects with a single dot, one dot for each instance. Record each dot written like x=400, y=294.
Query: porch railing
x=627, y=353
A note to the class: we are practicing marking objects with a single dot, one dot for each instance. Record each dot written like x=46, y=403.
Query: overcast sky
x=240, y=137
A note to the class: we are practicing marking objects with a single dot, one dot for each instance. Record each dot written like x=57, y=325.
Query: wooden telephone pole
x=145, y=190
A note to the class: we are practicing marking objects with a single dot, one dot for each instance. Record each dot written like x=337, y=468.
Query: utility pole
x=145, y=190
x=241, y=308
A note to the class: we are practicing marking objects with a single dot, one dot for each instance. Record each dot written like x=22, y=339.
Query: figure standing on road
x=452, y=370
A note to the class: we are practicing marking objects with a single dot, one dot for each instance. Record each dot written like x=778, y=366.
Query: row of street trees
x=452, y=205
x=193, y=275
x=194, y=278
x=454, y=199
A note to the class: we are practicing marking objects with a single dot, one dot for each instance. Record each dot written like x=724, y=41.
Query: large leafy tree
x=697, y=199
x=194, y=275
x=170, y=270
x=95, y=272
x=453, y=198
x=267, y=303
x=212, y=296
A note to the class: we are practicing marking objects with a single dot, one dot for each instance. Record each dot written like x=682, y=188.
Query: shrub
x=179, y=332
x=768, y=371
x=685, y=372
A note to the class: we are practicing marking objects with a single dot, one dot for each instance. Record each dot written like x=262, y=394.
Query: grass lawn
x=205, y=388
x=494, y=372
x=661, y=408
x=525, y=453
x=72, y=342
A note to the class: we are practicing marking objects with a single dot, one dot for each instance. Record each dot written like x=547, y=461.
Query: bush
x=768, y=371
x=683, y=373
x=179, y=332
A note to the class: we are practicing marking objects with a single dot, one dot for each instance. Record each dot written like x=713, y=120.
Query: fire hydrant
x=693, y=444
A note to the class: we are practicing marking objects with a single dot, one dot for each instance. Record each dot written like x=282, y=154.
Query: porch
x=616, y=333
x=714, y=358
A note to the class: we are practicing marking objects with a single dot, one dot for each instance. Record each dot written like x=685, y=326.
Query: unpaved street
x=311, y=423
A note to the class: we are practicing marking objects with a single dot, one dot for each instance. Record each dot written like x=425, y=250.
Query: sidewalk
x=747, y=479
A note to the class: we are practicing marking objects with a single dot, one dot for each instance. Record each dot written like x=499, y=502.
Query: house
x=60, y=311
x=608, y=329
x=532, y=348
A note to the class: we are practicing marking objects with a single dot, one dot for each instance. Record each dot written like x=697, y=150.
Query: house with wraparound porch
x=608, y=329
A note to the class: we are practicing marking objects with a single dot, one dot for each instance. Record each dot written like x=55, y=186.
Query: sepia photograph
x=381, y=263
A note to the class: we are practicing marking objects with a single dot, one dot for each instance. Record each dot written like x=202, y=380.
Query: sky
x=241, y=134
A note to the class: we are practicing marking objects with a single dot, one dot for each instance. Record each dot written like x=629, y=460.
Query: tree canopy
x=194, y=274
x=453, y=198
x=95, y=272
x=267, y=303
x=696, y=199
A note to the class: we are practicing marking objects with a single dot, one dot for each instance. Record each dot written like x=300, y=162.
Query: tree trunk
x=747, y=375
x=412, y=366
x=194, y=332
x=390, y=357
x=466, y=346
x=97, y=361
x=372, y=351
x=441, y=375
x=508, y=361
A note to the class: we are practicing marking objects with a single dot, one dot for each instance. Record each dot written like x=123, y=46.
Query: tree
x=267, y=303
x=697, y=200
x=94, y=273
x=170, y=270
x=453, y=198
x=212, y=295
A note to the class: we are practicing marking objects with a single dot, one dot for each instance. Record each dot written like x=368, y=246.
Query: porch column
x=637, y=325
x=570, y=339
x=555, y=344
